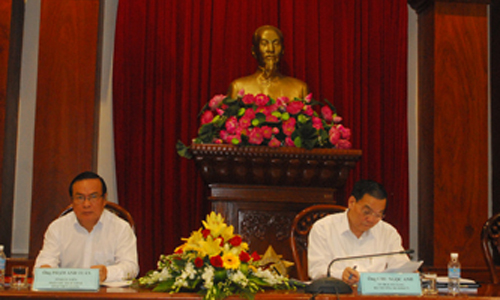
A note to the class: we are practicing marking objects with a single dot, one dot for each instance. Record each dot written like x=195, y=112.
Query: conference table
x=488, y=291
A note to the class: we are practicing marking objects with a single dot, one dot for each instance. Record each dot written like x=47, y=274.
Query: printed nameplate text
x=389, y=284
x=56, y=279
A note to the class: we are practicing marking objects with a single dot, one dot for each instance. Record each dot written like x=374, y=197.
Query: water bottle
x=454, y=275
x=3, y=261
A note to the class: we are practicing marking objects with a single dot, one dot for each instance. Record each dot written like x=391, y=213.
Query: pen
x=350, y=275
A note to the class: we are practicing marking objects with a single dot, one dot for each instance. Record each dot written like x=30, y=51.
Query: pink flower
x=241, y=93
x=248, y=99
x=255, y=136
x=344, y=144
x=219, y=111
x=308, y=97
x=207, y=117
x=223, y=135
x=317, y=123
x=261, y=100
x=289, y=126
x=216, y=101
x=262, y=110
x=337, y=119
x=272, y=119
x=274, y=143
x=272, y=108
x=231, y=125
x=282, y=101
x=334, y=135
x=294, y=107
x=249, y=113
x=326, y=112
x=309, y=111
x=218, y=141
x=267, y=132
x=289, y=142
x=276, y=130
x=344, y=132
x=245, y=122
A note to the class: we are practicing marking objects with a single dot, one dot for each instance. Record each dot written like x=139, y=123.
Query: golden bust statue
x=267, y=48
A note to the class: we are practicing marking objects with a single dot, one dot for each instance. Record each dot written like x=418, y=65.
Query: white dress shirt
x=111, y=242
x=331, y=237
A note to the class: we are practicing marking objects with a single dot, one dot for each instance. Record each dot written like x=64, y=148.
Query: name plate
x=389, y=284
x=60, y=279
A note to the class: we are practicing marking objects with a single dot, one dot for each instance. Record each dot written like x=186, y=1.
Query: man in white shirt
x=90, y=236
x=359, y=230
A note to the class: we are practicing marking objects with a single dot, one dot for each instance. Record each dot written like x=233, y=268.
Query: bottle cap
x=454, y=255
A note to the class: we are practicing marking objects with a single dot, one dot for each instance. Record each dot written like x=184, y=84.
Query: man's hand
x=103, y=272
x=350, y=276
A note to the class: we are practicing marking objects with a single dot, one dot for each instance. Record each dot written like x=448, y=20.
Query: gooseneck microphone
x=330, y=285
x=409, y=251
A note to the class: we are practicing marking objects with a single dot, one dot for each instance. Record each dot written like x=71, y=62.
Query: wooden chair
x=490, y=242
x=300, y=231
x=112, y=207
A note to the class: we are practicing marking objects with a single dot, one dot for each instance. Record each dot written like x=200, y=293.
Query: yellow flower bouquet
x=215, y=262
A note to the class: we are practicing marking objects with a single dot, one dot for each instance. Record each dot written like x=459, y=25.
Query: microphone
x=330, y=285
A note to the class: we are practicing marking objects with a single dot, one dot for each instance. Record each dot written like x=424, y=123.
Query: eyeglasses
x=367, y=211
x=79, y=199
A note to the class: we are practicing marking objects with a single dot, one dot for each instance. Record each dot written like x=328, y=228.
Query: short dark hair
x=87, y=175
x=369, y=187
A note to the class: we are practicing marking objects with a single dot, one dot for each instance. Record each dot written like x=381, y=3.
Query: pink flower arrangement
x=260, y=120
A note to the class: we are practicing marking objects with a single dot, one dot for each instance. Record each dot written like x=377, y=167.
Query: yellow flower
x=230, y=261
x=215, y=222
x=210, y=246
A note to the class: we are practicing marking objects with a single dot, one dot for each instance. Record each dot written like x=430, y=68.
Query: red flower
x=261, y=100
x=235, y=241
x=255, y=256
x=326, y=112
x=294, y=107
x=248, y=99
x=255, y=136
x=216, y=261
x=198, y=262
x=334, y=135
x=207, y=117
x=267, y=132
x=216, y=101
x=178, y=251
x=317, y=123
x=274, y=143
x=221, y=241
x=289, y=126
x=205, y=232
x=244, y=257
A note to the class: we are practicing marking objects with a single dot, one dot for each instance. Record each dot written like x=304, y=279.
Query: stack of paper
x=467, y=286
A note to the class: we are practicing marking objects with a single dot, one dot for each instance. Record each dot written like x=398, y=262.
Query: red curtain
x=172, y=56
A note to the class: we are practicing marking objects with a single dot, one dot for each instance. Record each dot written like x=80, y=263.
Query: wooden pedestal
x=259, y=190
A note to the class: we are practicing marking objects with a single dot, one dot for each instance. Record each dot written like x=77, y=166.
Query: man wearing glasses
x=90, y=236
x=359, y=230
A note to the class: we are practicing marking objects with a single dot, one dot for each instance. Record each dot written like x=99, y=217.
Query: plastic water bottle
x=3, y=261
x=454, y=275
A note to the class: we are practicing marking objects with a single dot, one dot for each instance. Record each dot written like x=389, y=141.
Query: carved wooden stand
x=259, y=190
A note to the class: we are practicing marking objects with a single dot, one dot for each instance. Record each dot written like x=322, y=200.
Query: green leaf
x=183, y=150
x=207, y=132
x=164, y=286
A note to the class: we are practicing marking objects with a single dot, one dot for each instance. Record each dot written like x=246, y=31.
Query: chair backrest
x=300, y=231
x=112, y=207
x=490, y=242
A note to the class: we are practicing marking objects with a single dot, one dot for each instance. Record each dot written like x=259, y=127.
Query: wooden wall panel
x=5, y=13
x=453, y=138
x=65, y=125
x=11, y=32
